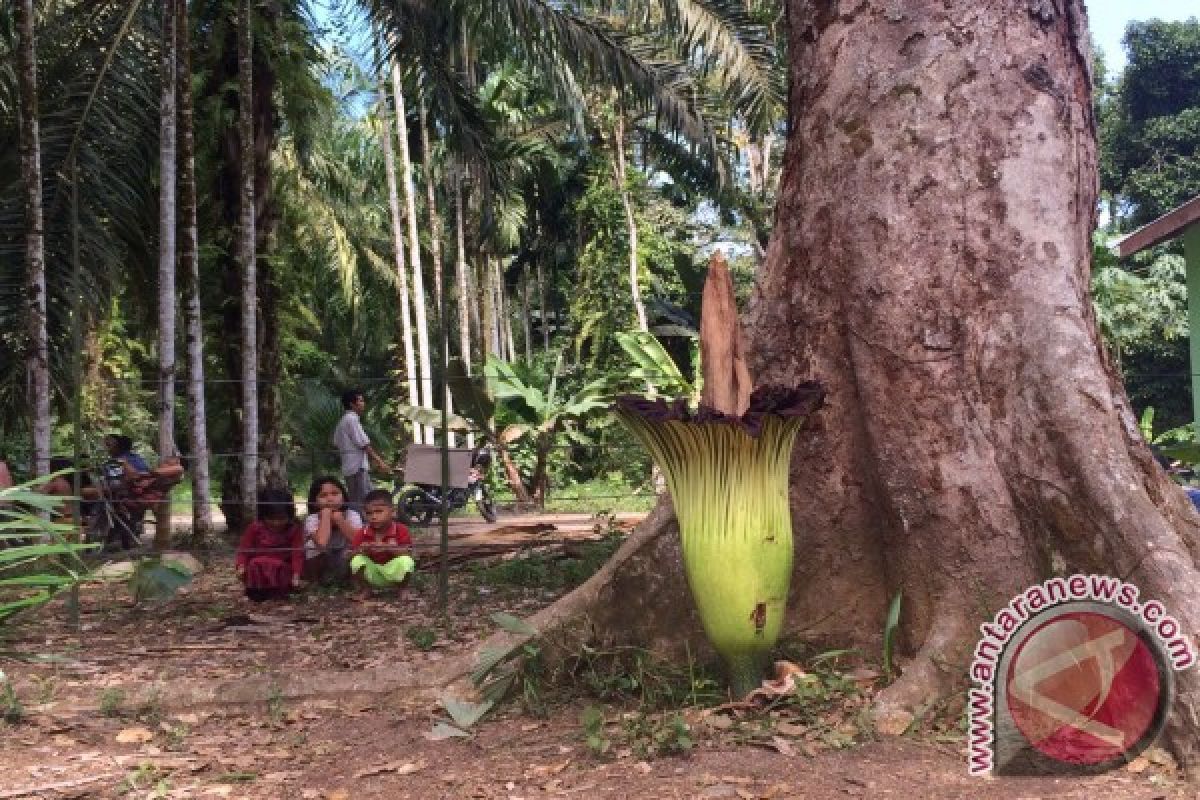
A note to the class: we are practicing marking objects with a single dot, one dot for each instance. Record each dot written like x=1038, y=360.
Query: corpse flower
x=726, y=466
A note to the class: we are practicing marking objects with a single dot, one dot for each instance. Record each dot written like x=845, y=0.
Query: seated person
x=270, y=556
x=383, y=548
x=328, y=530
x=120, y=450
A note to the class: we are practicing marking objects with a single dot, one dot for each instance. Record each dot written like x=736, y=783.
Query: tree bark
x=462, y=294
x=506, y=316
x=38, y=358
x=431, y=206
x=542, y=310
x=166, y=262
x=425, y=370
x=406, y=332
x=526, y=321
x=189, y=266
x=488, y=341
x=247, y=259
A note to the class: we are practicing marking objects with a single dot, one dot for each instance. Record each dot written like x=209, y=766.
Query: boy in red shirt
x=382, y=548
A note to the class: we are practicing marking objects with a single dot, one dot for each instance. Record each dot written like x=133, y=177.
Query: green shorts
x=381, y=575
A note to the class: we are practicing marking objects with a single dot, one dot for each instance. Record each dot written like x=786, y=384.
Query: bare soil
x=80, y=736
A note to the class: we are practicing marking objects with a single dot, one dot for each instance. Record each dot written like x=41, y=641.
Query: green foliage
x=538, y=571
x=145, y=778
x=657, y=735
x=12, y=711
x=1150, y=135
x=647, y=735
x=275, y=707
x=654, y=367
x=422, y=637
x=634, y=675
x=593, y=722
x=890, y=627
x=156, y=579
x=1135, y=309
x=37, y=561
x=112, y=702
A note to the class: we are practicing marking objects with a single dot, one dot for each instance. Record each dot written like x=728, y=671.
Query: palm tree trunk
x=38, y=359
x=406, y=332
x=414, y=249
x=630, y=222
x=526, y=323
x=247, y=260
x=488, y=344
x=463, y=290
x=435, y=233
x=166, y=264
x=435, y=219
x=543, y=314
x=189, y=263
x=506, y=316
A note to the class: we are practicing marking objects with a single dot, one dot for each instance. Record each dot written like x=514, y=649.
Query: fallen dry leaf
x=718, y=721
x=134, y=736
x=339, y=794
x=1139, y=764
x=782, y=745
x=400, y=768
x=790, y=729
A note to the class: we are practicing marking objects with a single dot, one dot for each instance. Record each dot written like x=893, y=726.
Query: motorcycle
x=420, y=503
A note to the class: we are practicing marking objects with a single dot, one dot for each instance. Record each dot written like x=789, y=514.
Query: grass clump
x=112, y=702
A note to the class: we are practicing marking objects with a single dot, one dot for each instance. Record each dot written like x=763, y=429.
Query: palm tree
x=425, y=369
x=189, y=264
x=246, y=255
x=406, y=331
x=38, y=359
x=166, y=260
x=166, y=240
x=462, y=287
x=630, y=221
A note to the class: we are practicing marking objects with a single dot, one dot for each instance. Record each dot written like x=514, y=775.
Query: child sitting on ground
x=382, y=548
x=329, y=529
x=270, y=557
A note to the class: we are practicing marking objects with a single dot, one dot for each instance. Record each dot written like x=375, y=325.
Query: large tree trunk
x=189, y=264
x=406, y=332
x=166, y=264
x=930, y=266
x=247, y=259
x=38, y=358
x=425, y=368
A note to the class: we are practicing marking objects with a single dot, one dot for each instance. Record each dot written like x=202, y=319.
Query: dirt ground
x=79, y=736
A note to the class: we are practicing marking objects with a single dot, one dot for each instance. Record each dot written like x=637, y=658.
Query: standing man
x=354, y=448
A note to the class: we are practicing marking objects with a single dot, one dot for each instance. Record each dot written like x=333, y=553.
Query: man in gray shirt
x=354, y=449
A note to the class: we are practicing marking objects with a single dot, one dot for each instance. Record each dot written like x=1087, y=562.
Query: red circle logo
x=1084, y=688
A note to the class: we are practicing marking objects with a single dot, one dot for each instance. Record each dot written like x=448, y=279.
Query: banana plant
x=541, y=415
x=654, y=368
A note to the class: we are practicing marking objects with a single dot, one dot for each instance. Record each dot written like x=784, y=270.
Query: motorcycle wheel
x=414, y=507
x=486, y=505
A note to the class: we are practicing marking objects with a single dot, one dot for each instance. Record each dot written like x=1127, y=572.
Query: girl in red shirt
x=270, y=556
